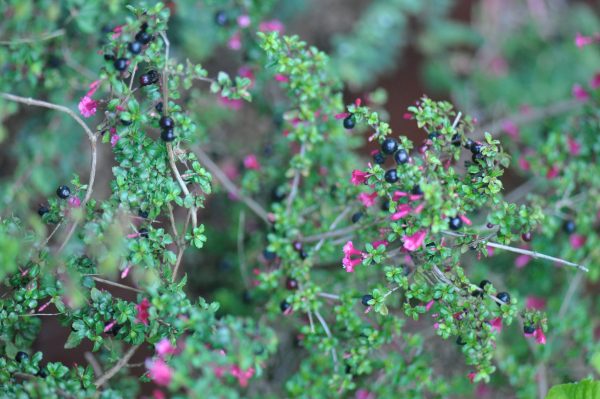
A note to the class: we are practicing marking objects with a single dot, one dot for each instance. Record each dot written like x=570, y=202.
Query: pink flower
x=281, y=78
x=522, y=260
x=158, y=394
x=243, y=21
x=465, y=220
x=251, y=162
x=341, y=115
x=164, y=347
x=534, y=302
x=349, y=251
x=496, y=324
x=415, y=241
x=540, y=338
x=407, y=116
x=159, y=371
x=109, y=326
x=234, y=104
x=524, y=163
x=114, y=139
x=242, y=376
x=44, y=306
x=273, y=25
x=87, y=106
x=429, y=305
x=142, y=311
x=400, y=194
x=552, y=172
x=364, y=394
x=511, y=129
x=117, y=31
x=125, y=271
x=579, y=93
x=235, y=41
x=490, y=250
x=582, y=41
x=367, y=200
x=471, y=376
x=377, y=244
x=74, y=202
x=595, y=83
x=93, y=87
x=574, y=146
x=358, y=177
x=402, y=211
x=577, y=240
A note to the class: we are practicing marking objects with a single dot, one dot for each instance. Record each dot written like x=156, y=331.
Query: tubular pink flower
x=358, y=177
x=242, y=376
x=109, y=326
x=235, y=41
x=273, y=25
x=524, y=163
x=402, y=211
x=540, y=337
x=251, y=162
x=350, y=250
x=577, y=240
x=114, y=139
x=580, y=93
x=511, y=129
x=465, y=220
x=552, y=172
x=574, y=146
x=582, y=41
x=243, y=21
x=429, y=305
x=93, y=87
x=415, y=241
x=367, y=200
x=534, y=302
x=142, y=311
x=74, y=202
x=496, y=324
x=125, y=271
x=87, y=106
x=234, y=104
x=159, y=371
x=281, y=78
x=595, y=83
x=522, y=260
x=379, y=243
x=164, y=348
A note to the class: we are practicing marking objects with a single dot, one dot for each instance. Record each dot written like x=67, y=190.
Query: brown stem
x=115, y=369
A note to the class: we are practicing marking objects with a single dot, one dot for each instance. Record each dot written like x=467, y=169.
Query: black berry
x=391, y=176
x=143, y=37
x=166, y=122
x=401, y=156
x=356, y=217
x=143, y=214
x=144, y=26
x=416, y=190
x=284, y=306
x=456, y=140
x=433, y=135
x=303, y=254
x=460, y=341
x=476, y=157
x=365, y=299
x=143, y=233
x=21, y=357
x=455, y=223
x=483, y=284
x=246, y=297
x=349, y=122
x=379, y=158
x=135, y=47
x=42, y=373
x=159, y=107
x=109, y=57
x=146, y=80
x=291, y=283
x=504, y=297
x=278, y=194
x=126, y=122
x=268, y=255
x=63, y=192
x=114, y=330
x=167, y=135
x=221, y=18
x=526, y=236
x=120, y=64
x=389, y=146
x=569, y=226
x=42, y=210
x=528, y=329
x=468, y=144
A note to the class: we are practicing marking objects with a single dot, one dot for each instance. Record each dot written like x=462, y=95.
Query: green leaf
x=586, y=389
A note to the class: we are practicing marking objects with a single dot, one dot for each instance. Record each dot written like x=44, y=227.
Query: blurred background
x=500, y=61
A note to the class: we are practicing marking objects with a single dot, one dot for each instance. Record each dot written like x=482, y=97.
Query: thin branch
x=573, y=286
x=229, y=186
x=456, y=120
x=40, y=314
x=240, y=247
x=114, y=284
x=115, y=369
x=165, y=77
x=181, y=183
x=329, y=296
x=533, y=254
x=311, y=322
x=91, y=359
x=44, y=37
x=328, y=332
x=295, y=183
x=333, y=225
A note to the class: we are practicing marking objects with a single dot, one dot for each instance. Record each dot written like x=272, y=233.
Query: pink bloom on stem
x=158, y=394
x=109, y=326
x=159, y=371
x=490, y=250
x=582, y=41
x=93, y=87
x=595, y=83
x=87, y=106
x=164, y=347
x=522, y=260
x=364, y=394
x=281, y=78
x=273, y=25
x=341, y=115
x=552, y=172
x=402, y=211
x=419, y=208
x=44, y=306
x=399, y=194
x=407, y=116
x=234, y=104
x=142, y=311
x=117, y=31
x=251, y=162
x=429, y=305
x=574, y=146
x=496, y=324
x=243, y=21
x=358, y=177
x=415, y=241
x=349, y=251
x=367, y=200
x=540, y=338
x=534, y=302
x=577, y=240
x=377, y=244
x=242, y=376
x=74, y=202
x=524, y=163
x=114, y=139
x=125, y=271
x=465, y=220
x=235, y=41
x=579, y=93
x=436, y=325
x=471, y=376
x=511, y=129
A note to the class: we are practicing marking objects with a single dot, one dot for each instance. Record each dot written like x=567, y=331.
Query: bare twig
x=329, y=296
x=44, y=37
x=181, y=183
x=91, y=359
x=295, y=183
x=573, y=286
x=333, y=225
x=240, y=247
x=229, y=186
x=328, y=332
x=115, y=369
x=114, y=284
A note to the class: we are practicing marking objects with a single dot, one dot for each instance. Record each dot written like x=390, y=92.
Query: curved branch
x=115, y=369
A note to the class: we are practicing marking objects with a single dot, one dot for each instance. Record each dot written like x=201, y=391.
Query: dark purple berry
x=526, y=236
x=285, y=306
x=416, y=190
x=356, y=217
x=278, y=194
x=167, y=135
x=43, y=372
x=291, y=283
x=159, y=107
x=401, y=156
x=121, y=64
x=389, y=146
x=391, y=176
x=528, y=329
x=42, y=210
x=109, y=57
x=303, y=254
x=63, y=192
x=268, y=255
x=135, y=47
x=489, y=226
x=143, y=233
x=143, y=37
x=455, y=223
x=379, y=158
x=456, y=140
x=349, y=122
x=166, y=122
x=468, y=144
x=569, y=226
x=433, y=135
x=460, y=341
x=365, y=299
x=145, y=80
x=21, y=357
x=504, y=297
x=221, y=18
x=476, y=157
x=476, y=148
